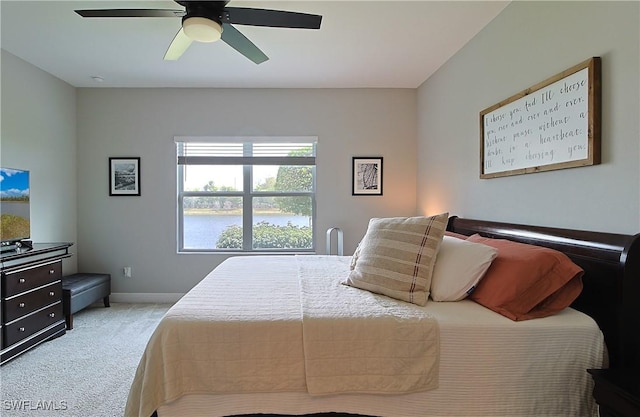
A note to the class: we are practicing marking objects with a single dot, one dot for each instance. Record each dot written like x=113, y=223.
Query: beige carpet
x=85, y=373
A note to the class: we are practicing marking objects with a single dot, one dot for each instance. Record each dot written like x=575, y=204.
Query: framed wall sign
x=366, y=176
x=554, y=124
x=124, y=176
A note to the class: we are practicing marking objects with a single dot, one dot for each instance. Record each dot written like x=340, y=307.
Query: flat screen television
x=15, y=210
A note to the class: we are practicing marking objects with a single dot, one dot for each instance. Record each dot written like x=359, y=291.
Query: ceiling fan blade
x=130, y=13
x=240, y=43
x=178, y=46
x=271, y=18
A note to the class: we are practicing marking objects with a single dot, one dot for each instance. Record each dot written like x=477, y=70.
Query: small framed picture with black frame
x=124, y=176
x=367, y=175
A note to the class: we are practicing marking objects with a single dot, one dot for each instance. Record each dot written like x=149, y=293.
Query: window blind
x=247, y=153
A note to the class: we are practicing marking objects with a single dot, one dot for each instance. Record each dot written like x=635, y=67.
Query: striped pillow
x=396, y=257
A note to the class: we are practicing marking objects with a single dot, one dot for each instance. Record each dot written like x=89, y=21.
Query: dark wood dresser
x=31, y=297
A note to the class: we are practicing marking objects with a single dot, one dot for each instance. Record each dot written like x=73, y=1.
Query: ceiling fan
x=209, y=21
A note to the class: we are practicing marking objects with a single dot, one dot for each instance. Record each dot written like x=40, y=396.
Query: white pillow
x=459, y=267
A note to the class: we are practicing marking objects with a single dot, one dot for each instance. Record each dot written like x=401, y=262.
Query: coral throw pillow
x=527, y=281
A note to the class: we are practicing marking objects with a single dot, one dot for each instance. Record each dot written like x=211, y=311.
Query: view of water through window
x=202, y=231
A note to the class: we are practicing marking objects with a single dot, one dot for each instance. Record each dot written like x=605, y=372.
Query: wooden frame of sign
x=554, y=124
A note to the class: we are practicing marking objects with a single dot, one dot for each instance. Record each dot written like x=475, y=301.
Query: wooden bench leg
x=106, y=301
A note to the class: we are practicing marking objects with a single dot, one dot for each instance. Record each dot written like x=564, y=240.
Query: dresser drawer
x=31, y=324
x=26, y=279
x=31, y=301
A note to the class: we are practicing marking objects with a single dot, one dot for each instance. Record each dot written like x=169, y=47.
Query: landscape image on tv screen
x=14, y=205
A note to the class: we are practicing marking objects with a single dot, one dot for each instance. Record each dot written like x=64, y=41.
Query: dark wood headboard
x=611, y=262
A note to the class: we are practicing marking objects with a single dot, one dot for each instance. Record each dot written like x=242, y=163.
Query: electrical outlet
x=127, y=271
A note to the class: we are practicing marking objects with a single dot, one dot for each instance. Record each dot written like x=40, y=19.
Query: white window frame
x=247, y=192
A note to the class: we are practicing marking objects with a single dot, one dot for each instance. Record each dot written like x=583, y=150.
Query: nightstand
x=617, y=392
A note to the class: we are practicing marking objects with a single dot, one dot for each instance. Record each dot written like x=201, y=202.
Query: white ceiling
x=378, y=44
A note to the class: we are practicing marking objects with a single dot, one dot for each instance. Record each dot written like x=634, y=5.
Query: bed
x=227, y=349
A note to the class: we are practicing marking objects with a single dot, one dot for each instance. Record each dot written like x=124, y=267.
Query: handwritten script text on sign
x=548, y=126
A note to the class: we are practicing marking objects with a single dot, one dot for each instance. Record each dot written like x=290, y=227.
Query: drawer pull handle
x=52, y=271
x=21, y=329
x=21, y=305
x=52, y=315
x=21, y=281
x=51, y=293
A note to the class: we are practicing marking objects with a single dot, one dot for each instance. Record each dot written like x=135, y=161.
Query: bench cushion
x=77, y=283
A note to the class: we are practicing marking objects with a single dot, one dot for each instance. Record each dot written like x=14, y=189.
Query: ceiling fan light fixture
x=202, y=29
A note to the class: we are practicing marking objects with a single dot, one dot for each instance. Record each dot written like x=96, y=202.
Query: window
x=249, y=194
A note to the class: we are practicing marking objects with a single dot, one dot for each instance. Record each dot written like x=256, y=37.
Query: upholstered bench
x=82, y=290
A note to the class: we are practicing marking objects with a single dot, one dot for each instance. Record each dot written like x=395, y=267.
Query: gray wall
x=140, y=232
x=527, y=43
x=39, y=134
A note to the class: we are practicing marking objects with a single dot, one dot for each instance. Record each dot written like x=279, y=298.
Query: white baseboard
x=145, y=297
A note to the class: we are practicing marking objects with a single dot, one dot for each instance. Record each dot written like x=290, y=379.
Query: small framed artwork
x=367, y=176
x=124, y=176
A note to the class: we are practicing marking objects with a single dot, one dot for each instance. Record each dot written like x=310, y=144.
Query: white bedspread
x=240, y=330
x=489, y=365
x=359, y=342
